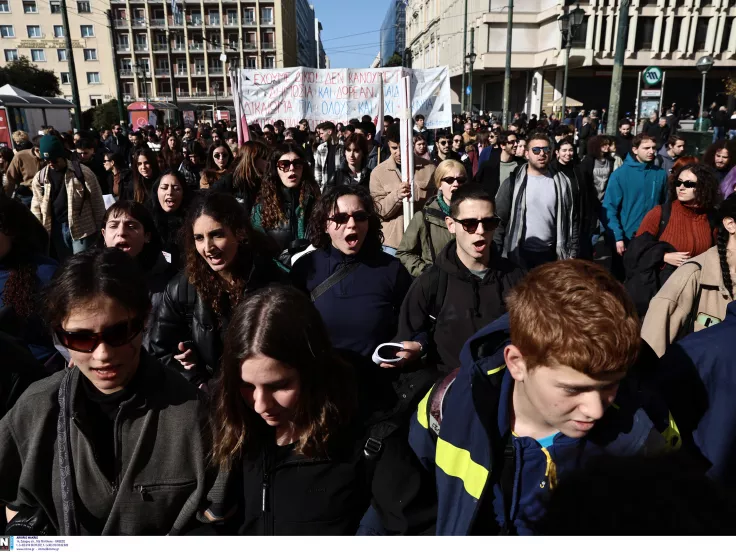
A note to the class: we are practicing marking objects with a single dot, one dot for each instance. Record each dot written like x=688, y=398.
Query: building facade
x=33, y=29
x=393, y=31
x=306, y=54
x=670, y=34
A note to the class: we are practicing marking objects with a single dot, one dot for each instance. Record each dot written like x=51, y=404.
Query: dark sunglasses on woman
x=686, y=184
x=450, y=179
x=116, y=335
x=471, y=225
x=343, y=218
x=220, y=155
x=284, y=166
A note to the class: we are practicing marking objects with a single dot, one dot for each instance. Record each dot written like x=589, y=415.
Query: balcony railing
x=195, y=21
x=232, y=46
x=214, y=47
x=268, y=45
x=126, y=72
x=139, y=22
x=123, y=47
x=160, y=47
x=196, y=46
x=213, y=20
x=249, y=21
x=266, y=21
x=231, y=22
x=250, y=46
x=215, y=71
x=176, y=21
x=120, y=23
x=162, y=71
x=140, y=48
x=158, y=22
x=178, y=48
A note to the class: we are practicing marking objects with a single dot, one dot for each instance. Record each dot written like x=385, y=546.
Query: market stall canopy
x=141, y=106
x=571, y=102
x=12, y=96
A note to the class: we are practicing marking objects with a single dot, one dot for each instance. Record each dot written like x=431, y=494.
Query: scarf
x=444, y=206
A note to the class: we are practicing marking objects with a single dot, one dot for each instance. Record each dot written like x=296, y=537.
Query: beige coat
x=670, y=308
x=24, y=166
x=385, y=184
x=85, y=217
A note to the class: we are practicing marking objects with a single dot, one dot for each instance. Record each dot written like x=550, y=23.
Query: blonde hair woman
x=427, y=234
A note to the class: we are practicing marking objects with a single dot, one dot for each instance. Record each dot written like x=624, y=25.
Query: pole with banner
x=407, y=149
x=379, y=117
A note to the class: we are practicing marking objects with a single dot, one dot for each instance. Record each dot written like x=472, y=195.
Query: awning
x=571, y=102
x=12, y=96
x=141, y=106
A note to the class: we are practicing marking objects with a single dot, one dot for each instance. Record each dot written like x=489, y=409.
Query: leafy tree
x=104, y=115
x=22, y=74
x=394, y=61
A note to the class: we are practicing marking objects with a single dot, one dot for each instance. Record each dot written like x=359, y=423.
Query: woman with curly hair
x=145, y=173
x=219, y=163
x=224, y=262
x=245, y=180
x=695, y=297
x=24, y=271
x=345, y=228
x=284, y=205
x=171, y=155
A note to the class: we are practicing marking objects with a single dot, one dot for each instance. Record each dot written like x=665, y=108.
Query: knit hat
x=51, y=148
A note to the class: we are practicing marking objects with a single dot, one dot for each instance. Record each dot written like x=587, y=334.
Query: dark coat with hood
x=184, y=316
x=469, y=304
x=344, y=176
x=125, y=185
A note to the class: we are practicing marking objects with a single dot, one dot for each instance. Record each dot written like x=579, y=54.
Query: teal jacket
x=633, y=190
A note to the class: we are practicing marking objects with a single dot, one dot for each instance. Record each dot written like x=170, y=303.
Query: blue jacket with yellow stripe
x=475, y=429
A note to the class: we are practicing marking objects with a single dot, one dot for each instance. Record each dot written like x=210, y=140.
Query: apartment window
x=726, y=34
x=7, y=31
x=250, y=62
x=29, y=7
x=269, y=62
x=37, y=54
x=93, y=78
x=55, y=7
x=213, y=17
x=644, y=33
x=87, y=31
x=123, y=42
x=95, y=100
x=4, y=6
x=11, y=55
x=199, y=66
x=249, y=16
x=267, y=15
x=58, y=31
x=196, y=18
x=578, y=40
x=214, y=39
x=84, y=7
x=65, y=78
x=181, y=66
x=232, y=17
x=90, y=54
x=125, y=65
x=701, y=32
x=34, y=31
x=61, y=54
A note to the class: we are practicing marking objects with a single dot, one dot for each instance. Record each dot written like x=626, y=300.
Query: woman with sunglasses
x=289, y=433
x=219, y=163
x=168, y=205
x=427, y=233
x=193, y=164
x=353, y=169
x=145, y=173
x=115, y=444
x=224, y=262
x=284, y=205
x=245, y=180
x=119, y=177
x=346, y=231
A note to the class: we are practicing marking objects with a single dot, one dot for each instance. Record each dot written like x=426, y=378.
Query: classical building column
x=669, y=24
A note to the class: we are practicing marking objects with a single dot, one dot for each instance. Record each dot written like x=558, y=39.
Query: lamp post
x=140, y=70
x=216, y=86
x=471, y=62
x=569, y=24
x=704, y=64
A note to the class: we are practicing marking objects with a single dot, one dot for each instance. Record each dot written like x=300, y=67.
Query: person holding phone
x=357, y=288
x=224, y=262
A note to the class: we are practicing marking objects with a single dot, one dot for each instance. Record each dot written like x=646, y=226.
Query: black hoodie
x=469, y=304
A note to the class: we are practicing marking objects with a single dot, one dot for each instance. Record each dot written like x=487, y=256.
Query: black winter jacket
x=646, y=271
x=343, y=176
x=125, y=186
x=435, y=156
x=184, y=316
x=469, y=304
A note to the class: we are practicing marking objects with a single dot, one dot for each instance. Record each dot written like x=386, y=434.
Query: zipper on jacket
x=266, y=496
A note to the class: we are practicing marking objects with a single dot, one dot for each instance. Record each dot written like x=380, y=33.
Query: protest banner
x=291, y=94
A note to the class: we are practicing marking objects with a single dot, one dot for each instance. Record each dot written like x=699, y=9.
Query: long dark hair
x=281, y=323
x=727, y=209
x=94, y=273
x=210, y=163
x=226, y=210
x=327, y=204
x=29, y=238
x=151, y=251
x=707, y=192
x=171, y=158
x=272, y=207
x=246, y=178
x=709, y=157
x=141, y=185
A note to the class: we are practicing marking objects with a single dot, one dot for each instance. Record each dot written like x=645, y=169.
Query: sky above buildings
x=351, y=30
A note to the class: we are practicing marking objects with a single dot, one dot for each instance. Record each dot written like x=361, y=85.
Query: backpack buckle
x=372, y=448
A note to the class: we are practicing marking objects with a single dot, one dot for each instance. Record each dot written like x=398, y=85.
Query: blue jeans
x=718, y=133
x=64, y=245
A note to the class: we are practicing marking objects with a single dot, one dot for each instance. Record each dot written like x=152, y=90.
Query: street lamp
x=704, y=64
x=569, y=24
x=471, y=62
x=140, y=70
x=216, y=86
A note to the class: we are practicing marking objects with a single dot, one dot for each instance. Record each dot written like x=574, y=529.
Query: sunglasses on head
x=116, y=335
x=286, y=165
x=220, y=155
x=451, y=179
x=539, y=149
x=343, y=218
x=471, y=225
x=686, y=183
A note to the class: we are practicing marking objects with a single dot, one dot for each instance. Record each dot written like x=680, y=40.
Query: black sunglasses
x=686, y=183
x=343, y=218
x=471, y=225
x=220, y=155
x=537, y=149
x=443, y=142
x=286, y=165
x=451, y=179
x=85, y=341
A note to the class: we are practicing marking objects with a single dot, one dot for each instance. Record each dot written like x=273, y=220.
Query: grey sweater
x=160, y=454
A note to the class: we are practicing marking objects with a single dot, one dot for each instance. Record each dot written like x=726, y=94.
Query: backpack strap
x=336, y=277
x=664, y=219
x=427, y=228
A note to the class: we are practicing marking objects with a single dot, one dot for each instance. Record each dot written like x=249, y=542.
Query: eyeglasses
x=457, y=140
x=285, y=166
x=220, y=155
x=85, y=341
x=471, y=225
x=451, y=179
x=537, y=149
x=343, y=218
x=511, y=143
x=443, y=142
x=686, y=183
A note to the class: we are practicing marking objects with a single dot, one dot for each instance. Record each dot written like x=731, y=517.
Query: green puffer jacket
x=417, y=251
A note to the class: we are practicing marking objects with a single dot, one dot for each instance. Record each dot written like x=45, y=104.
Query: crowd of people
x=202, y=337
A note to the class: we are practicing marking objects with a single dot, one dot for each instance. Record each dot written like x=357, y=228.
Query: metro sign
x=652, y=76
